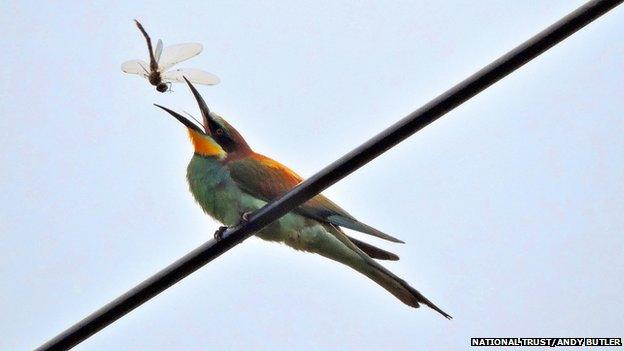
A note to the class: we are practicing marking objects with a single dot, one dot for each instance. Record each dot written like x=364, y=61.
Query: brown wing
x=268, y=179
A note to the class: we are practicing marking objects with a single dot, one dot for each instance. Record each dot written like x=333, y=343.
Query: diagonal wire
x=331, y=174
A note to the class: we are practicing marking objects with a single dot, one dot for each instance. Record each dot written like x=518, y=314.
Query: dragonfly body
x=156, y=80
x=161, y=60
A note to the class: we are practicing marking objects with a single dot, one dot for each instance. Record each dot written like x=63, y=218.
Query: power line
x=332, y=173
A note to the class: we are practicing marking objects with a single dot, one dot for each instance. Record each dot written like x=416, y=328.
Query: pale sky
x=511, y=205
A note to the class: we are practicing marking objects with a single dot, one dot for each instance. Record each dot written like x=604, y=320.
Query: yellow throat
x=206, y=146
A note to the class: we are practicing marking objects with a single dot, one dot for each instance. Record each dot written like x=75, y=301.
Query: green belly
x=214, y=190
x=221, y=198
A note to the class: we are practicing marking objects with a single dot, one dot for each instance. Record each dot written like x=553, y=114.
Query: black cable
x=332, y=173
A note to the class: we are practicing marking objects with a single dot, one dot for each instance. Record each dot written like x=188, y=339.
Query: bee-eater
x=229, y=180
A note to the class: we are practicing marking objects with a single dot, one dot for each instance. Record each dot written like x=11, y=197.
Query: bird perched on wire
x=229, y=180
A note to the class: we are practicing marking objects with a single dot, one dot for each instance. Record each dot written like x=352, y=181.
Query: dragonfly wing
x=139, y=67
x=159, y=49
x=193, y=74
x=177, y=53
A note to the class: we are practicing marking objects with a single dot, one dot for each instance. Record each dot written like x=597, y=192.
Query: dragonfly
x=160, y=60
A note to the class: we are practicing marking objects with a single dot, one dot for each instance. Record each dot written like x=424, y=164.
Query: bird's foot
x=245, y=217
x=218, y=234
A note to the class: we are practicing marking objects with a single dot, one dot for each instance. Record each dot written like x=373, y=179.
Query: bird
x=230, y=181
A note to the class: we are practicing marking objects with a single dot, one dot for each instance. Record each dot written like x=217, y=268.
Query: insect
x=160, y=60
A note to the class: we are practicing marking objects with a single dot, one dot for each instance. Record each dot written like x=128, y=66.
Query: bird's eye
x=219, y=131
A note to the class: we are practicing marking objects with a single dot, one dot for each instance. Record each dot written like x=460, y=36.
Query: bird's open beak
x=209, y=122
x=183, y=120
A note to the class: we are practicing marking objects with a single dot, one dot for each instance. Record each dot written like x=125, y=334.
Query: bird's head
x=214, y=137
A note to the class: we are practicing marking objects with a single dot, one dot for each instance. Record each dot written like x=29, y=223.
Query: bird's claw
x=245, y=217
x=218, y=234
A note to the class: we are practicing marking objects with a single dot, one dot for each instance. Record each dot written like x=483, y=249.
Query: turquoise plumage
x=228, y=179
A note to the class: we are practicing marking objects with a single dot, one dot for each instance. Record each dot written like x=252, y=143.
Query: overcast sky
x=511, y=205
